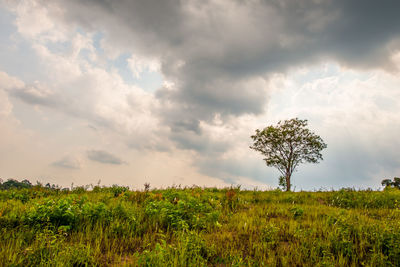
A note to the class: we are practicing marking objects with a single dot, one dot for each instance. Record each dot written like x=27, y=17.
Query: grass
x=112, y=226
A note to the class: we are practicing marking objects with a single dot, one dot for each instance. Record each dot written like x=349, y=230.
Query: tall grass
x=198, y=227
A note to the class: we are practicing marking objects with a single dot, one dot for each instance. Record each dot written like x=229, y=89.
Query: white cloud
x=5, y=104
x=221, y=62
x=138, y=65
x=36, y=21
x=7, y=83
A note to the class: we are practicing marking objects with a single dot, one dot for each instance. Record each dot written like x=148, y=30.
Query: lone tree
x=287, y=145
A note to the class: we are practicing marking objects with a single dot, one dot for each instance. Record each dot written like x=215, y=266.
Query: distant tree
x=27, y=182
x=386, y=182
x=390, y=183
x=286, y=145
x=396, y=182
x=12, y=183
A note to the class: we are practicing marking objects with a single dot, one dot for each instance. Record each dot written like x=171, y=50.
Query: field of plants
x=113, y=226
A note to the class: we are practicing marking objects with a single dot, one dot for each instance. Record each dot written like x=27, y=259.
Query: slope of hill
x=198, y=227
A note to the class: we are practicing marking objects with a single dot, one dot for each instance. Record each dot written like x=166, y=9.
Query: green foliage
x=66, y=212
x=269, y=234
x=181, y=212
x=189, y=250
x=297, y=212
x=350, y=198
x=112, y=226
x=389, y=183
x=14, y=184
x=118, y=190
x=287, y=145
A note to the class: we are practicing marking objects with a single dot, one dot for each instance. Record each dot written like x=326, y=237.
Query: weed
x=44, y=226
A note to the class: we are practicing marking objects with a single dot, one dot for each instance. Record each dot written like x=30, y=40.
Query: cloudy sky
x=169, y=92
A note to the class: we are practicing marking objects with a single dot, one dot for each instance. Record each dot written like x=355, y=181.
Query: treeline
x=15, y=184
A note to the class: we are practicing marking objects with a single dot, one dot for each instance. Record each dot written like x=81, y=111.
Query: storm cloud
x=221, y=69
x=218, y=55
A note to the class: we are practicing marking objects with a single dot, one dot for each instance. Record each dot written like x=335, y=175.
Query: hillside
x=198, y=227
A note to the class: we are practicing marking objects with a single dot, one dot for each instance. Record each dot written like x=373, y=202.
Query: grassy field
x=198, y=227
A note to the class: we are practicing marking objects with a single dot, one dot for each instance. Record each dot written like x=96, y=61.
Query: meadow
x=113, y=226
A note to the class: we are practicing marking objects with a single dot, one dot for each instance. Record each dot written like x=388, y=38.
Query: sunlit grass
x=198, y=227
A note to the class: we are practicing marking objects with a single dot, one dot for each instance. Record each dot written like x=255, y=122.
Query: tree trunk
x=288, y=182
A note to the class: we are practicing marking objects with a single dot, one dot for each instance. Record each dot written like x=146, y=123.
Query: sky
x=169, y=92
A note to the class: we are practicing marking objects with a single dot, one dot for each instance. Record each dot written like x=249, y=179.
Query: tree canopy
x=389, y=183
x=12, y=183
x=286, y=145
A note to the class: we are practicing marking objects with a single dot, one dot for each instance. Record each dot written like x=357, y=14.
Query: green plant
x=297, y=212
x=199, y=227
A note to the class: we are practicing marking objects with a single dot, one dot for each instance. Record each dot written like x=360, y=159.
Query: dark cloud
x=215, y=52
x=67, y=163
x=104, y=157
x=218, y=57
x=200, y=142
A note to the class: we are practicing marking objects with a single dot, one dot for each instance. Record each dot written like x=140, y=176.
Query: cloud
x=7, y=83
x=5, y=104
x=355, y=113
x=68, y=163
x=37, y=94
x=104, y=157
x=34, y=94
x=218, y=55
x=139, y=65
x=218, y=60
x=92, y=94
